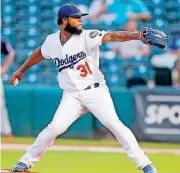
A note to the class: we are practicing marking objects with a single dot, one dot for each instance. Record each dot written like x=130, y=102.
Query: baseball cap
x=68, y=10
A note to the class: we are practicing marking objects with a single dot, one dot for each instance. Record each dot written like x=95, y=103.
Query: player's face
x=76, y=21
x=74, y=25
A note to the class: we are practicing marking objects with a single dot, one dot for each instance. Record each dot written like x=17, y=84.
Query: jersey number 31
x=84, y=68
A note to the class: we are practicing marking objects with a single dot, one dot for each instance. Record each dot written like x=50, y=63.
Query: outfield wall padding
x=32, y=108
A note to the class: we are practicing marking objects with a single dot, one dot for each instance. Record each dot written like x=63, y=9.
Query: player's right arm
x=34, y=59
x=37, y=56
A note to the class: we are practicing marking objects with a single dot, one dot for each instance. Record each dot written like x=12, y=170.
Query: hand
x=153, y=36
x=16, y=75
x=142, y=35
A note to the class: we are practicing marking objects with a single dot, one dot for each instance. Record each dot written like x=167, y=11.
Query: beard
x=72, y=29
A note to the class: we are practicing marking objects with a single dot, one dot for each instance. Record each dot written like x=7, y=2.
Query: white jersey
x=77, y=59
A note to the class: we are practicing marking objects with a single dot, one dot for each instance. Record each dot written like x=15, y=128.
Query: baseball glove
x=153, y=36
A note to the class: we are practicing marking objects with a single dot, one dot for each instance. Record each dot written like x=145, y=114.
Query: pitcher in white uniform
x=75, y=52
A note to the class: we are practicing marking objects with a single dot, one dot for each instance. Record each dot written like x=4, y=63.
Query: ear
x=65, y=20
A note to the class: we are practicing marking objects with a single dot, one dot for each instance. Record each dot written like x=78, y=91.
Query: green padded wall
x=20, y=109
x=31, y=109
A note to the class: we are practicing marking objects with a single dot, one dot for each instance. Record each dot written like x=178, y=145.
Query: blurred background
x=144, y=81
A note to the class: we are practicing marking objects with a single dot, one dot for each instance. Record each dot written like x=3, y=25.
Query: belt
x=95, y=85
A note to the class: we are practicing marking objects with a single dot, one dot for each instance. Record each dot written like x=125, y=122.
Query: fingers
x=16, y=75
x=12, y=79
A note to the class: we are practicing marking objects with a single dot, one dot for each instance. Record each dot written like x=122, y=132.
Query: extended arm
x=120, y=36
x=34, y=59
x=147, y=35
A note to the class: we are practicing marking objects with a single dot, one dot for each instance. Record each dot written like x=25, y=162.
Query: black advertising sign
x=157, y=114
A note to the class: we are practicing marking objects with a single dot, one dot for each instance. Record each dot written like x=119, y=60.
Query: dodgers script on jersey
x=77, y=59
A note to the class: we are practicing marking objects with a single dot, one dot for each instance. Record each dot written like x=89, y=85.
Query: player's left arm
x=121, y=36
x=147, y=35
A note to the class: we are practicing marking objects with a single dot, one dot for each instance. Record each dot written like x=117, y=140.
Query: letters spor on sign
x=159, y=113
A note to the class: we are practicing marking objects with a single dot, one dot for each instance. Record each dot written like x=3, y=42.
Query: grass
x=90, y=142
x=91, y=162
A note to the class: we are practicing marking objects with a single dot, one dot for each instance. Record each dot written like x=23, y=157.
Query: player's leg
x=101, y=105
x=67, y=112
x=5, y=126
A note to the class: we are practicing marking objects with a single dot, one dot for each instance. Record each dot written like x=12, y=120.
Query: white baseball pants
x=98, y=101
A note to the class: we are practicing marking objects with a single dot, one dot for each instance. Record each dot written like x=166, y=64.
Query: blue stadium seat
x=158, y=12
x=160, y=23
x=7, y=9
x=172, y=16
x=115, y=81
x=113, y=68
x=8, y=20
x=33, y=9
x=33, y=32
x=33, y=78
x=7, y=31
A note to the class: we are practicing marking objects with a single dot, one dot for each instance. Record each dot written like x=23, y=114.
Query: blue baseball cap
x=68, y=10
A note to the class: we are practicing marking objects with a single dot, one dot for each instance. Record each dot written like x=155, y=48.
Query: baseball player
x=75, y=52
x=8, y=52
